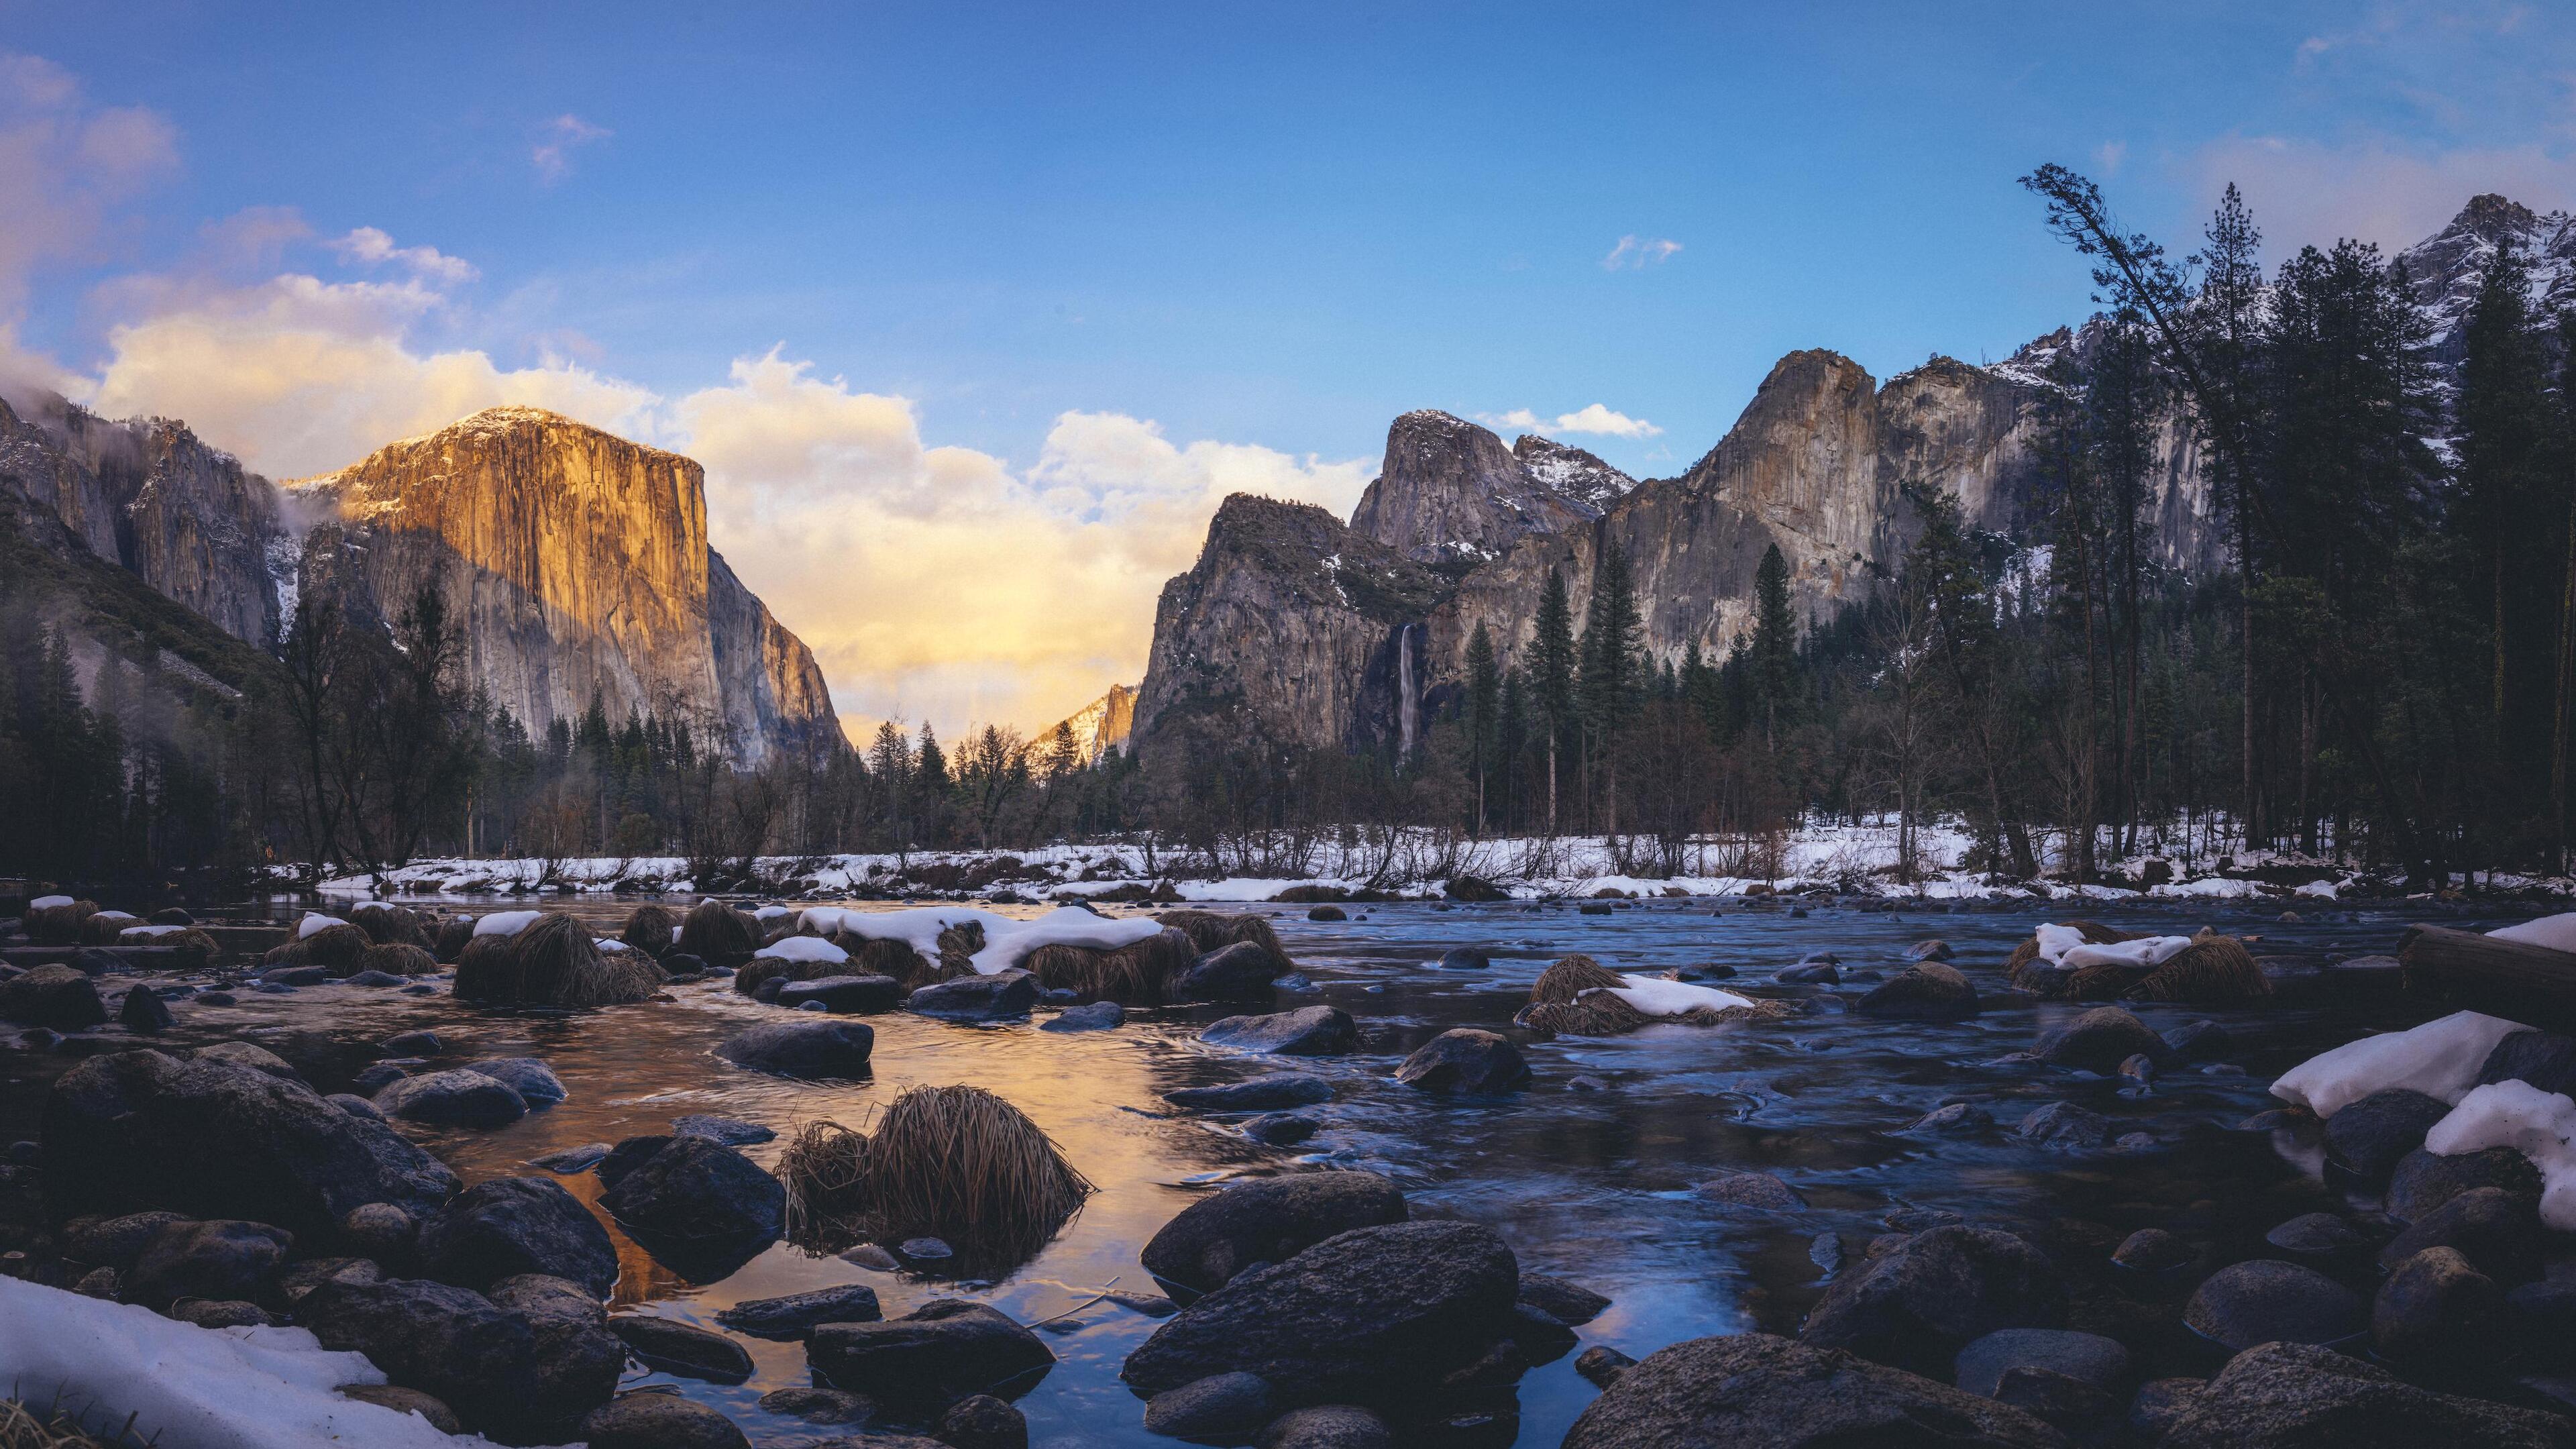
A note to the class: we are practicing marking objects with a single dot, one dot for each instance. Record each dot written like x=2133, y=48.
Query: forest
x=2380, y=674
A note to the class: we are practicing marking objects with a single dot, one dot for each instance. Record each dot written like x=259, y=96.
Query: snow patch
x=2539, y=1125
x=2144, y=951
x=805, y=948
x=47, y=903
x=506, y=923
x=1656, y=996
x=2558, y=933
x=2439, y=1059
x=314, y=921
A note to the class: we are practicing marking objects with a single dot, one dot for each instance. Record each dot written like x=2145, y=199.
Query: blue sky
x=1266, y=227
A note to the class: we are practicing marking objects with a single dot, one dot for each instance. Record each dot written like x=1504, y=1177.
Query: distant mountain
x=1098, y=727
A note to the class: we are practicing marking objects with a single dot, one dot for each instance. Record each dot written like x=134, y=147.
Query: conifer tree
x=1775, y=643
x=1483, y=703
x=1552, y=675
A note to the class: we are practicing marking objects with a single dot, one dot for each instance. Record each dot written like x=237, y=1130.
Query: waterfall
x=1407, y=703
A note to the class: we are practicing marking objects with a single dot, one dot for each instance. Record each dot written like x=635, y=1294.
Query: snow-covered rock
x=2558, y=933
x=47, y=903
x=2440, y=1059
x=803, y=948
x=313, y=921
x=2144, y=951
x=2540, y=1125
x=1656, y=996
x=506, y=923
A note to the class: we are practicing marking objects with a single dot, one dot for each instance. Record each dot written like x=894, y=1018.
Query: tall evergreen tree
x=1552, y=668
x=1613, y=680
x=1483, y=705
x=1775, y=644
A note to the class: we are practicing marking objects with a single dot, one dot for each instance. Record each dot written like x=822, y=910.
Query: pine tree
x=1775, y=644
x=1552, y=675
x=2502, y=420
x=1484, y=690
x=1612, y=682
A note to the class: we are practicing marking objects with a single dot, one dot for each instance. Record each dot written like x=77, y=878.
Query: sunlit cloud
x=1636, y=253
x=370, y=246
x=1595, y=420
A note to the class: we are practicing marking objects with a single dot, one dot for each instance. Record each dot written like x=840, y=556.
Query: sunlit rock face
x=1100, y=726
x=578, y=564
x=1449, y=490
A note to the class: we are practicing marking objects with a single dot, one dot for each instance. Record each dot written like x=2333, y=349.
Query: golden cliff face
x=578, y=563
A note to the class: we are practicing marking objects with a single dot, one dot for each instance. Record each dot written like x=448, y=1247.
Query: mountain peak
x=2492, y=216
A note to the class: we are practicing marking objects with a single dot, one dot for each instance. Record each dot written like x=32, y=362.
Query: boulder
x=1955, y=1119
x=1258, y=1094
x=2199, y=1041
x=629, y=1154
x=2424, y=1180
x=2089, y=1358
x=214, y=1139
x=1571, y=1304
x=2545, y=1059
x=1327, y=913
x=1465, y=958
x=450, y=1342
x=1926, y=991
x=803, y=1048
x=684, y=1349
x=998, y=997
x=2098, y=1041
x=2370, y=1137
x=2497, y=1231
x=1758, y=1191
x=257, y=1058
x=61, y=997
x=452, y=1099
x=224, y=1259
x=405, y=1401
x=2300, y=1396
x=1368, y=1316
x=382, y=1231
x=110, y=1242
x=1309, y=1031
x=2153, y=1250
x=980, y=1421
x=1221, y=1408
x=221, y=1313
x=2065, y=1127
x=646, y=1419
x=1268, y=1220
x=143, y=1010
x=1600, y=1365
x=731, y=1131
x=2437, y=1313
x=577, y=1361
x=2318, y=1239
x=355, y=1106
x=1242, y=971
x=796, y=1315
x=1465, y=1059
x=845, y=993
x=2264, y=1300
x=534, y=1081
x=931, y=1357
x=1916, y=1305
x=300, y=1278
x=1281, y=1129
x=506, y=1226
x=1758, y=1391
x=1326, y=1426
x=1097, y=1016
x=699, y=1207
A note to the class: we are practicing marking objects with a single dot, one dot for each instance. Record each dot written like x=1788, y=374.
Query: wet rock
x=699, y=1207
x=2265, y=1300
x=577, y=1361
x=2435, y=1312
x=2098, y=1041
x=1759, y=1191
x=2545, y=1059
x=1464, y=1059
x=298, y=1279
x=113, y=1242
x=2321, y=1239
x=980, y=1421
x=2299, y=1396
x=680, y=1348
x=1098, y=1016
x=1309, y=1031
x=2065, y=1127
x=1917, y=1304
x=221, y=1313
x=1281, y=1129
x=801, y=1048
x=2140, y=1068
x=534, y=1081
x=374, y=978
x=1809, y=973
x=505, y=1226
x=2199, y=1041
x=449, y=1342
x=2153, y=1250
x=571, y=1159
x=412, y=1044
x=143, y=1010
x=355, y=1106
x=1327, y=913
x=1571, y=1304
x=222, y=1259
x=819, y=1406
x=257, y=1058
x=291, y=976
x=1757, y=1391
x=1259, y=1094
x=1268, y=1220
x=869, y=1255
x=1601, y=1365
x=52, y=996
x=452, y=1099
x=629, y=1154
x=2056, y=1398
x=645, y=1419
x=1928, y=991
x=926, y=1249
x=999, y=997
x=1957, y=1119
x=383, y=1231
x=931, y=1357
x=730, y=1131
x=1226, y=1406
x=845, y=993
x=2159, y=1403
x=2424, y=1181
x=1929, y=951
x=1242, y=971
x=405, y=1401
x=1364, y=1316
x=2369, y=1137
x=795, y=1315
x=2087, y=1357
x=1326, y=1426
x=2498, y=1232
x=376, y=1078
x=137, y=1131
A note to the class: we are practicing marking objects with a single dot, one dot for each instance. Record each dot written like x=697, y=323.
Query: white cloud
x=1635, y=253
x=63, y=165
x=1594, y=419
x=557, y=140
x=370, y=246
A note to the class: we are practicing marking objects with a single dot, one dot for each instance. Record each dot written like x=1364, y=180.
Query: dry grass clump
x=1141, y=973
x=22, y=1426
x=2025, y=969
x=59, y=925
x=190, y=939
x=1213, y=931
x=397, y=958
x=453, y=933
x=954, y=1162
x=2212, y=968
x=651, y=929
x=552, y=963
x=958, y=945
x=718, y=934
x=384, y=924
x=336, y=948
x=101, y=928
x=1571, y=998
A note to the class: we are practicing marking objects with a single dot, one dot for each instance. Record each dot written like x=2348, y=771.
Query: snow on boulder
x=1006, y=941
x=803, y=948
x=149, y=933
x=2539, y=1125
x=47, y=903
x=506, y=923
x=766, y=914
x=2558, y=933
x=204, y=1388
x=610, y=943
x=2439, y=1059
x=2324, y=889
x=2055, y=941
x=2144, y=951
x=1656, y=996
x=313, y=921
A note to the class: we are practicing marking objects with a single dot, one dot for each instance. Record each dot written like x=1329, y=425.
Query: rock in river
x=1465, y=1059
x=931, y=1357
x=452, y=1099
x=2424, y=1181
x=55, y=996
x=2299, y=1396
x=825, y=1048
x=2263, y=1301
x=505, y=1226
x=1258, y=1094
x=699, y=1207
x=219, y=1260
x=2497, y=1231
x=1916, y=1305
x=1242, y=971
x=796, y=1315
x=1757, y=1391
x=1000, y=996
x=2099, y=1040
x=478, y=1357
x=1309, y=1031
x=1928, y=991
x=1268, y=1220
x=680, y=1348
x=646, y=1419
x=2370, y=1137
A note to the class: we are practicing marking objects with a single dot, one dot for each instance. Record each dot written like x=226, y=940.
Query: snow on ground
x=194, y=1388
x=2439, y=1059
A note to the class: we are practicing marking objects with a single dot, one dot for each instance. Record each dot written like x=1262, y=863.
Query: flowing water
x=1590, y=1184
